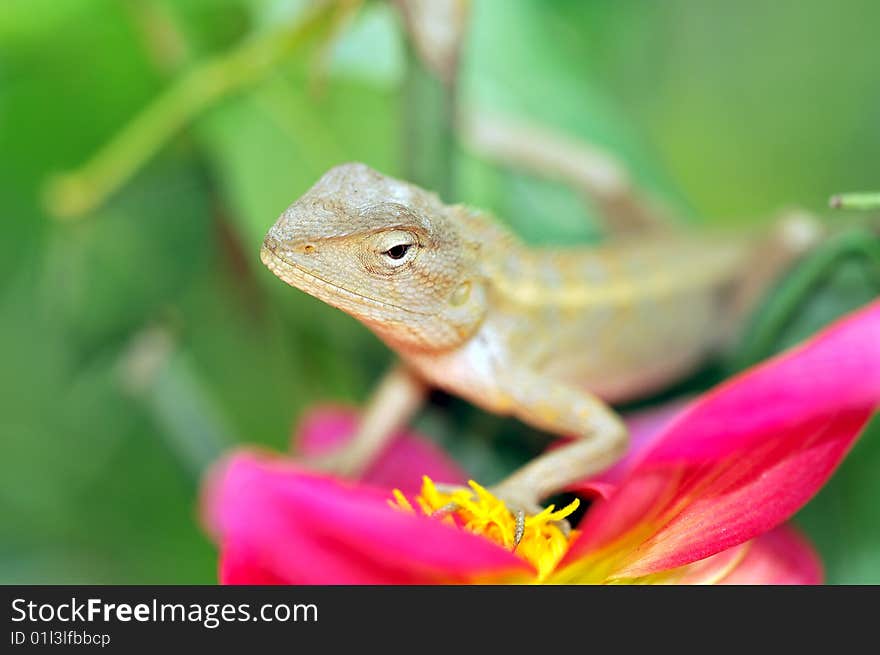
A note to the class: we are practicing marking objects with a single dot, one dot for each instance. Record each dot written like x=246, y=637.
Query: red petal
x=781, y=556
x=743, y=458
x=276, y=523
x=401, y=465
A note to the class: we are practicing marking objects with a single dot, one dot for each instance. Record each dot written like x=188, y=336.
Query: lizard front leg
x=394, y=402
x=562, y=409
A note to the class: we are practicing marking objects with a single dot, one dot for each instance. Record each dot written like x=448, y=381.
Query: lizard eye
x=399, y=251
x=396, y=247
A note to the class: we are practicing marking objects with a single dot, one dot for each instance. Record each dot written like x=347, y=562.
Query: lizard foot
x=521, y=505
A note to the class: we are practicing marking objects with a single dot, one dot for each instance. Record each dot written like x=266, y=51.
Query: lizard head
x=387, y=252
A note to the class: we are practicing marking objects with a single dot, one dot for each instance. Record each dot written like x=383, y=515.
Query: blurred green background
x=142, y=337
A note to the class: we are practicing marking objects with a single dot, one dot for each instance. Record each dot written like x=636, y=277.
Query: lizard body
x=546, y=334
x=621, y=319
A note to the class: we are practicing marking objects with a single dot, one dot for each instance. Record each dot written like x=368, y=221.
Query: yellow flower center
x=476, y=510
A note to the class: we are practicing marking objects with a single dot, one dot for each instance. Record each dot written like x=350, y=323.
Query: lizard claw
x=522, y=504
x=519, y=504
x=520, y=530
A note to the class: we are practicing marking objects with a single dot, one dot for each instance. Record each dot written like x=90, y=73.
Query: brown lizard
x=548, y=335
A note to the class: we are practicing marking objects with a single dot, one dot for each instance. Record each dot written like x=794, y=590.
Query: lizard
x=548, y=335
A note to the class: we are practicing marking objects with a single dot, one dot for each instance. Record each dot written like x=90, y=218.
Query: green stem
x=798, y=286
x=155, y=372
x=429, y=129
x=162, y=37
x=73, y=194
x=861, y=201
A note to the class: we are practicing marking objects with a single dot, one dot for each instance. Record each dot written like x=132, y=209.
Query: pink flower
x=702, y=499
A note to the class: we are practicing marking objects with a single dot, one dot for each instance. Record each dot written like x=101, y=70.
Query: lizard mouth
x=296, y=276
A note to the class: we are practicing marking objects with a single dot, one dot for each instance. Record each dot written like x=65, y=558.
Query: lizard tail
x=795, y=233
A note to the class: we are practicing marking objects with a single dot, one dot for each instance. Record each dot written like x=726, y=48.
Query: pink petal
x=781, y=557
x=405, y=460
x=708, y=571
x=743, y=458
x=276, y=523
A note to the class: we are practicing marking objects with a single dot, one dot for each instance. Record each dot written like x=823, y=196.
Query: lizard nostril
x=270, y=243
x=308, y=249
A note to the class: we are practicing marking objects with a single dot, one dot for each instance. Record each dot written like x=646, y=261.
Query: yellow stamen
x=400, y=501
x=543, y=544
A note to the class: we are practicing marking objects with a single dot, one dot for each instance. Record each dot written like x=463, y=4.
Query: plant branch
x=862, y=201
x=71, y=195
